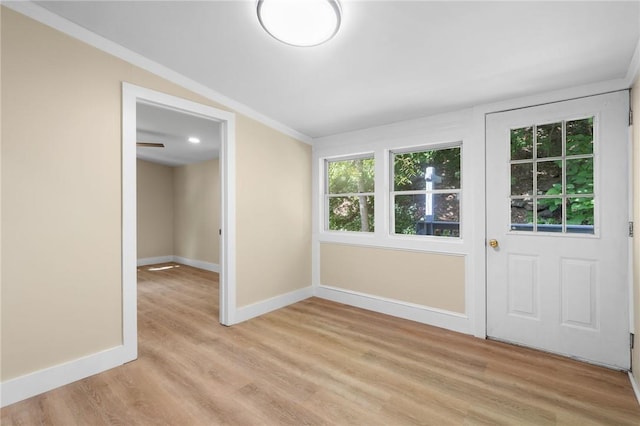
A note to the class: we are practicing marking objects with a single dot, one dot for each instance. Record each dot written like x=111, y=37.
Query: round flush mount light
x=303, y=23
x=194, y=140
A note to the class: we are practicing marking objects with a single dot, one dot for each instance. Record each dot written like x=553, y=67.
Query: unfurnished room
x=319, y=212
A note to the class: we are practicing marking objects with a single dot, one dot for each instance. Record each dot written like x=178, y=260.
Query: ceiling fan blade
x=149, y=145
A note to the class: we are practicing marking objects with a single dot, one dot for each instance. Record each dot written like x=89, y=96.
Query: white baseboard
x=200, y=264
x=41, y=381
x=154, y=260
x=634, y=385
x=260, y=308
x=432, y=316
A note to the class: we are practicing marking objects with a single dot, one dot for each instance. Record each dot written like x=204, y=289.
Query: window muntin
x=552, y=174
x=426, y=192
x=349, y=194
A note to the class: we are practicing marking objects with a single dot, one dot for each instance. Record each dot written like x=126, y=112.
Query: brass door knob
x=493, y=243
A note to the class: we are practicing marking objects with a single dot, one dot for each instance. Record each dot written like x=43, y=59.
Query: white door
x=557, y=208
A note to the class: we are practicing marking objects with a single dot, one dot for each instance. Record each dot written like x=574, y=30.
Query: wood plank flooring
x=321, y=363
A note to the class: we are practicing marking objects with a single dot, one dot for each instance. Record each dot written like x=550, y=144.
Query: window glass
x=426, y=192
x=349, y=195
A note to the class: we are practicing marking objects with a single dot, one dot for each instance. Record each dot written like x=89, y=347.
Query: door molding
x=611, y=102
x=477, y=295
x=131, y=95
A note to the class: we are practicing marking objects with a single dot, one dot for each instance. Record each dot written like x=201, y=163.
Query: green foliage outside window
x=576, y=196
x=409, y=171
x=350, y=187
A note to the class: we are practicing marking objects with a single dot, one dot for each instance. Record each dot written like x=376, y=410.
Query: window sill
x=434, y=244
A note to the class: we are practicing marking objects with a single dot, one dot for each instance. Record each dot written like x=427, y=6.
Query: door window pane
x=552, y=188
x=580, y=136
x=580, y=215
x=549, y=217
x=549, y=140
x=549, y=175
x=522, y=214
x=522, y=179
x=580, y=176
x=522, y=143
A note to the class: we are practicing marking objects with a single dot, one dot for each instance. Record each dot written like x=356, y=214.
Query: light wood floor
x=321, y=363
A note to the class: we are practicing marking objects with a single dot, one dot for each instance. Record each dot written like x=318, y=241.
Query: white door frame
x=604, y=341
x=478, y=256
x=131, y=95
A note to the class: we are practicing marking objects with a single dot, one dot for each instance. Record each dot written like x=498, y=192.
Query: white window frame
x=327, y=195
x=393, y=193
x=438, y=132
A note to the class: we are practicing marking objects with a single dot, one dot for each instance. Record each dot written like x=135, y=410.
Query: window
x=552, y=177
x=349, y=194
x=426, y=192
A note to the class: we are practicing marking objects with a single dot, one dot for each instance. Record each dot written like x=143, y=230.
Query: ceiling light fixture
x=302, y=23
x=193, y=140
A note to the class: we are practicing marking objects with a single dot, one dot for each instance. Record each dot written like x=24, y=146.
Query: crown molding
x=71, y=29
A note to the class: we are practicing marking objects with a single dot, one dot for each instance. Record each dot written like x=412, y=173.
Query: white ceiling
x=173, y=129
x=391, y=60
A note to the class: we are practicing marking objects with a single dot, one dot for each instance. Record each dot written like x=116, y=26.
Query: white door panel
x=557, y=205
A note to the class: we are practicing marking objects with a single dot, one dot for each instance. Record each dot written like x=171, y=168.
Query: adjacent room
x=320, y=212
x=178, y=188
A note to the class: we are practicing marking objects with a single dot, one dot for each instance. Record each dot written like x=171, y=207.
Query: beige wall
x=635, y=105
x=179, y=210
x=435, y=280
x=274, y=213
x=61, y=189
x=196, y=189
x=155, y=209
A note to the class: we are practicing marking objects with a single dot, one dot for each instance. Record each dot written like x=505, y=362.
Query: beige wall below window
x=428, y=279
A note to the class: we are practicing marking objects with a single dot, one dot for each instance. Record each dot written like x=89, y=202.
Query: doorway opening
x=137, y=100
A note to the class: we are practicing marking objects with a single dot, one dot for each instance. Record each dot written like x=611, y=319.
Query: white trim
x=430, y=132
x=630, y=196
x=129, y=224
x=555, y=96
x=154, y=260
x=432, y=316
x=634, y=385
x=263, y=307
x=32, y=384
x=132, y=94
x=634, y=66
x=467, y=125
x=61, y=24
x=228, y=222
x=201, y=264
x=478, y=136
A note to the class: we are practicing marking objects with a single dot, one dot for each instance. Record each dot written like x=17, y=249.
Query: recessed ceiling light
x=193, y=140
x=300, y=22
